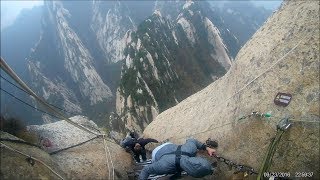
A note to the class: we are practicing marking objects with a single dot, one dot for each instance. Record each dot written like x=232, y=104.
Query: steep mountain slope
x=76, y=59
x=69, y=63
x=283, y=56
x=172, y=11
x=167, y=61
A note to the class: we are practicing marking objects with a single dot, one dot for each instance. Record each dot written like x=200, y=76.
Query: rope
x=105, y=150
x=304, y=121
x=19, y=141
x=255, y=114
x=266, y=70
x=201, y=131
x=14, y=76
x=270, y=152
x=30, y=94
x=28, y=103
x=33, y=158
x=42, y=110
x=280, y=59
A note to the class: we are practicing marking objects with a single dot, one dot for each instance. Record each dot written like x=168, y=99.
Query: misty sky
x=11, y=9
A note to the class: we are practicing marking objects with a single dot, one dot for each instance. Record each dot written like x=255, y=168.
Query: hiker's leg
x=136, y=157
x=143, y=154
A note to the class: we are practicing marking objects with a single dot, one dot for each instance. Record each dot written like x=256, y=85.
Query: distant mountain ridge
x=167, y=61
x=77, y=60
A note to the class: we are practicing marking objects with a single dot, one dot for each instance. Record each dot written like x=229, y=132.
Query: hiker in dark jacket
x=169, y=158
x=137, y=146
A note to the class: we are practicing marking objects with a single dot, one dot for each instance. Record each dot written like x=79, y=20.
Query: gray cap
x=196, y=166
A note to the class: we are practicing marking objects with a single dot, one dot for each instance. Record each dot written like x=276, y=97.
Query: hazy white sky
x=11, y=9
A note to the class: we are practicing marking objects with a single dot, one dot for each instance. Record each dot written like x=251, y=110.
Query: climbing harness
x=178, y=154
x=282, y=127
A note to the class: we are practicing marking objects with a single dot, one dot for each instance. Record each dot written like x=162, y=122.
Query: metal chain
x=238, y=167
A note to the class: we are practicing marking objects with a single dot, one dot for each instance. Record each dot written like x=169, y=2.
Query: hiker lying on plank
x=170, y=158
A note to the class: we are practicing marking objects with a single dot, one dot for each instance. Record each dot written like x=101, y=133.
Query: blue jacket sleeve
x=199, y=145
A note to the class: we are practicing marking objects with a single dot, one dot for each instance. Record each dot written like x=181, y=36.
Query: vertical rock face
x=75, y=62
x=167, y=61
x=282, y=56
x=111, y=21
x=172, y=10
x=69, y=71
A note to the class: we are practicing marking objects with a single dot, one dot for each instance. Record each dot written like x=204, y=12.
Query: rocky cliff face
x=15, y=165
x=74, y=154
x=87, y=160
x=85, y=41
x=167, y=61
x=282, y=56
x=110, y=22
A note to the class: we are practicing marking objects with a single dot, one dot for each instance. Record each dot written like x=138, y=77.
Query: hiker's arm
x=148, y=140
x=143, y=142
x=202, y=146
x=199, y=145
x=210, y=151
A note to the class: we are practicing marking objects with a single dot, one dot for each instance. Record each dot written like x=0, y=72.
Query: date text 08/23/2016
x=287, y=174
